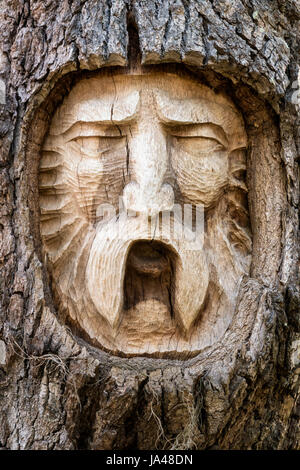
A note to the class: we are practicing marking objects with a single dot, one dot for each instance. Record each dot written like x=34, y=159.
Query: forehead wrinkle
x=105, y=110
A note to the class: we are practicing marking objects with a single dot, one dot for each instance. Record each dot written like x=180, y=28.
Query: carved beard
x=204, y=287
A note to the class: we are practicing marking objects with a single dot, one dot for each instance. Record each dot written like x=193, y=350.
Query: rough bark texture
x=56, y=391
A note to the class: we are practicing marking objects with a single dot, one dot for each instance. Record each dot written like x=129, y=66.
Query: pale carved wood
x=142, y=143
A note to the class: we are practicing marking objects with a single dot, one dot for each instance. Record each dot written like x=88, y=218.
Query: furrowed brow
x=188, y=111
x=200, y=111
x=117, y=111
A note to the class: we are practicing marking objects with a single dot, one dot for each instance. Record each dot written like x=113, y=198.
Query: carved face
x=125, y=158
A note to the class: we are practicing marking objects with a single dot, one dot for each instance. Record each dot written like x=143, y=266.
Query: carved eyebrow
x=93, y=129
x=124, y=109
x=197, y=111
x=190, y=111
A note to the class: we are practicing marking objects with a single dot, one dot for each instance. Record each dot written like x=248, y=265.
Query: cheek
x=83, y=177
x=90, y=173
x=201, y=180
x=94, y=182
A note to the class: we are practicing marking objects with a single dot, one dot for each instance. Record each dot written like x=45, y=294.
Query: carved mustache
x=106, y=268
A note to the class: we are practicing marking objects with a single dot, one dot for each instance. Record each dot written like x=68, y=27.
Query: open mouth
x=150, y=274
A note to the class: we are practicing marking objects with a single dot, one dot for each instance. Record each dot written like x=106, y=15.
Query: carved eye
x=92, y=146
x=198, y=146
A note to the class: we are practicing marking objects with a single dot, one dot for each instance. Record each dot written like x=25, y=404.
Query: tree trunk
x=57, y=389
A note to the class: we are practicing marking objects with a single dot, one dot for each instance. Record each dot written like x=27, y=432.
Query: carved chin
x=148, y=270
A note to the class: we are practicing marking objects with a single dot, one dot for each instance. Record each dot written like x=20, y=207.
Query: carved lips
x=109, y=251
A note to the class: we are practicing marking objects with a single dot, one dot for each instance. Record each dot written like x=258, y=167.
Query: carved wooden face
x=128, y=160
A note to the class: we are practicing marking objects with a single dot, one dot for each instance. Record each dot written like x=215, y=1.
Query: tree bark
x=56, y=390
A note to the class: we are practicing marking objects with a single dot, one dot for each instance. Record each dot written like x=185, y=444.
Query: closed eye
x=92, y=146
x=198, y=146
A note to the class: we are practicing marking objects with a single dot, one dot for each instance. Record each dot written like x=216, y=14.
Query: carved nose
x=148, y=193
x=148, y=200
